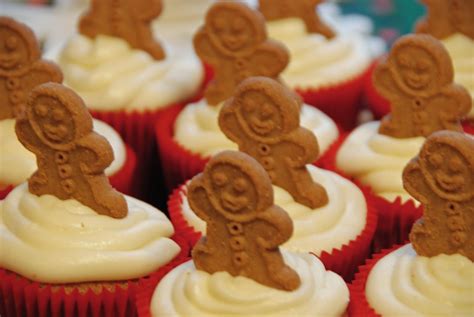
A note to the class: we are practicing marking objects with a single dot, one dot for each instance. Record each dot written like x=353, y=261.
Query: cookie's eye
x=455, y=165
x=423, y=65
x=11, y=43
x=58, y=114
x=249, y=105
x=435, y=159
x=219, y=178
x=41, y=110
x=404, y=61
x=240, y=185
x=219, y=24
x=238, y=25
x=268, y=110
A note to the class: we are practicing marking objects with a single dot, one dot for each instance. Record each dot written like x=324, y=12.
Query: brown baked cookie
x=71, y=158
x=234, y=196
x=417, y=79
x=234, y=42
x=441, y=177
x=263, y=118
x=303, y=9
x=21, y=67
x=447, y=17
x=127, y=19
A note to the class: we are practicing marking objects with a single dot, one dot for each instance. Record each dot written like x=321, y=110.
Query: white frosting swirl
x=461, y=50
x=109, y=75
x=197, y=129
x=62, y=241
x=17, y=163
x=315, y=230
x=319, y=62
x=405, y=284
x=186, y=291
x=378, y=160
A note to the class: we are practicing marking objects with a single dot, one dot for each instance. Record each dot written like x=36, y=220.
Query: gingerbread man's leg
x=315, y=25
x=306, y=190
x=150, y=45
x=278, y=271
x=217, y=91
x=110, y=201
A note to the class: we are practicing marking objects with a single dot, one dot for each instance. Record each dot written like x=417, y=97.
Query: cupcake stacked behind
x=189, y=137
x=417, y=77
x=333, y=217
x=433, y=274
x=68, y=217
x=21, y=70
x=237, y=268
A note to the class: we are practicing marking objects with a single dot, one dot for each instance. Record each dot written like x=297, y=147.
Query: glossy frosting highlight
x=405, y=284
x=186, y=291
x=62, y=241
x=321, y=229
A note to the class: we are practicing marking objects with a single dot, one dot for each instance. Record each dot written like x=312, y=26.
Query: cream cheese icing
x=109, y=75
x=17, y=163
x=62, y=241
x=461, y=51
x=186, y=291
x=405, y=284
x=321, y=229
x=378, y=160
x=197, y=129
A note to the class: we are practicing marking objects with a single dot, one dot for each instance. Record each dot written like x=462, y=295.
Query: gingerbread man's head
x=18, y=47
x=58, y=116
x=234, y=28
x=237, y=184
x=265, y=108
x=420, y=65
x=447, y=165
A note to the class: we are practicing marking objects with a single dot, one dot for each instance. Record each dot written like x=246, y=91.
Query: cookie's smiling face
x=416, y=67
x=13, y=49
x=234, y=189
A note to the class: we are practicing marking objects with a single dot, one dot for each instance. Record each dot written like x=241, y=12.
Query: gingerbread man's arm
x=146, y=10
x=383, y=80
x=229, y=124
x=270, y=59
x=277, y=225
x=198, y=199
x=303, y=147
x=27, y=136
x=459, y=99
x=204, y=48
x=414, y=182
x=97, y=155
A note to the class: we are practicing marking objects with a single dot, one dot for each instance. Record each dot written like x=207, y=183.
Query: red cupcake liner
x=341, y=102
x=343, y=261
x=468, y=126
x=359, y=306
x=122, y=180
x=22, y=297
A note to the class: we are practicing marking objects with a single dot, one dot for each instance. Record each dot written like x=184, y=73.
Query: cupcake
x=188, y=137
x=19, y=76
x=70, y=242
x=433, y=274
x=452, y=22
x=330, y=61
x=417, y=78
x=238, y=268
x=333, y=218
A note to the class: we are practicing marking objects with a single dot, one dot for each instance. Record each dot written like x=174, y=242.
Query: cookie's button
x=237, y=243
x=235, y=228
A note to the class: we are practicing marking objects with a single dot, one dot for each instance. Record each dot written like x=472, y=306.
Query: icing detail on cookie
x=234, y=42
x=21, y=67
x=417, y=80
x=263, y=119
x=244, y=228
x=127, y=19
x=303, y=9
x=447, y=17
x=57, y=128
x=441, y=177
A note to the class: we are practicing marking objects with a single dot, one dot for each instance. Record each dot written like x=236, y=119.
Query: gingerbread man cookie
x=234, y=42
x=127, y=19
x=234, y=196
x=303, y=9
x=71, y=158
x=21, y=67
x=417, y=80
x=441, y=177
x=447, y=17
x=263, y=118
